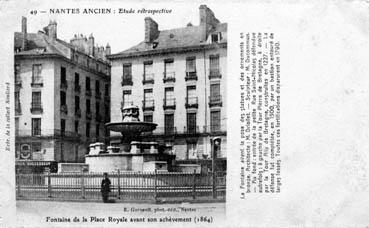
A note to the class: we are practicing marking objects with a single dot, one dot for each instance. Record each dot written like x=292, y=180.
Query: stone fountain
x=131, y=154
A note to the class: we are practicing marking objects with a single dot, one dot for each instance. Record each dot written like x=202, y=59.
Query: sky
x=121, y=31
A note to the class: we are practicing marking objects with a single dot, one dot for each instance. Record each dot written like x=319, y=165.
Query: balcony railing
x=214, y=73
x=88, y=92
x=88, y=115
x=64, y=85
x=169, y=103
x=127, y=80
x=78, y=112
x=192, y=102
x=215, y=100
x=215, y=128
x=191, y=76
x=148, y=105
x=77, y=88
x=148, y=79
x=36, y=107
x=64, y=109
x=169, y=77
x=46, y=133
x=37, y=82
x=191, y=130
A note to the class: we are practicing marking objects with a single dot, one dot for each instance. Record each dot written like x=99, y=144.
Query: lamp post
x=215, y=147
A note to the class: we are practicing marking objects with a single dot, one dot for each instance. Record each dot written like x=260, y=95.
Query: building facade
x=62, y=95
x=178, y=79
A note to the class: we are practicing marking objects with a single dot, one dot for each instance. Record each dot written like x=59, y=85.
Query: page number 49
x=33, y=12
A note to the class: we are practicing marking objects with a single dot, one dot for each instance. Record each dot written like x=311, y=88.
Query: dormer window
x=216, y=37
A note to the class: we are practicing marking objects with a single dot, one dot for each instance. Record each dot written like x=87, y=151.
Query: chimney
x=24, y=33
x=208, y=21
x=51, y=29
x=91, y=45
x=151, y=30
x=107, y=49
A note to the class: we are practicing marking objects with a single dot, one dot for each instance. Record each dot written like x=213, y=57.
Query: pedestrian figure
x=105, y=188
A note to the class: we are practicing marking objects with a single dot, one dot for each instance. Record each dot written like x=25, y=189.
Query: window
x=62, y=126
x=87, y=129
x=88, y=86
x=63, y=98
x=214, y=121
x=36, y=74
x=192, y=150
x=76, y=82
x=106, y=90
x=97, y=88
x=36, y=147
x=76, y=125
x=17, y=78
x=36, y=100
x=217, y=37
x=36, y=126
x=97, y=131
x=76, y=104
x=148, y=71
x=127, y=98
x=169, y=97
x=16, y=127
x=214, y=64
x=191, y=123
x=215, y=90
x=127, y=74
x=97, y=107
x=17, y=102
x=88, y=106
x=63, y=75
x=191, y=96
x=169, y=69
x=148, y=118
x=191, y=64
x=148, y=98
x=107, y=114
x=169, y=123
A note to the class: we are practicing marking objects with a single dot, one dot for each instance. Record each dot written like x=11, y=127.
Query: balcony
x=191, y=130
x=52, y=133
x=77, y=88
x=169, y=77
x=191, y=76
x=148, y=105
x=88, y=115
x=98, y=117
x=88, y=92
x=214, y=73
x=64, y=85
x=215, y=128
x=148, y=79
x=192, y=102
x=77, y=113
x=169, y=103
x=127, y=80
x=37, y=84
x=36, y=108
x=64, y=109
x=215, y=100
x=97, y=94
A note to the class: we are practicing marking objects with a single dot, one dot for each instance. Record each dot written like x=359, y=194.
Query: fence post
x=194, y=184
x=156, y=185
x=48, y=185
x=118, y=184
x=214, y=185
x=82, y=186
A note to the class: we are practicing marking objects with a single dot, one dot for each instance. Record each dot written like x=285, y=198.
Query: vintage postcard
x=185, y=114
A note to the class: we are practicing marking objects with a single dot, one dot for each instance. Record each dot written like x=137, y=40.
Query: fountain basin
x=131, y=127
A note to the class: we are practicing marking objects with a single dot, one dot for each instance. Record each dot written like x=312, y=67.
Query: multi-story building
x=178, y=78
x=61, y=94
